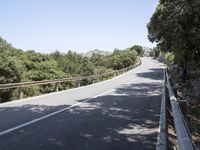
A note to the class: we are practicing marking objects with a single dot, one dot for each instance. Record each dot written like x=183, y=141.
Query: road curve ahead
x=118, y=114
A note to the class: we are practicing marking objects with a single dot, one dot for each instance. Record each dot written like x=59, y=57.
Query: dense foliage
x=138, y=49
x=175, y=26
x=19, y=66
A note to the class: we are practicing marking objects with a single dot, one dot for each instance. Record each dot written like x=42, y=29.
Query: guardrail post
x=56, y=87
x=19, y=93
x=78, y=83
x=93, y=81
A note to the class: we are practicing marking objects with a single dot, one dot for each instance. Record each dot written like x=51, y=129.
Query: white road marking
x=51, y=114
x=56, y=112
x=59, y=111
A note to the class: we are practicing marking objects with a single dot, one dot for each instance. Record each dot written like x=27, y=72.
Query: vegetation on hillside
x=175, y=26
x=20, y=66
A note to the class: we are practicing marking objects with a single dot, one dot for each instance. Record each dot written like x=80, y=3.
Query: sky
x=77, y=25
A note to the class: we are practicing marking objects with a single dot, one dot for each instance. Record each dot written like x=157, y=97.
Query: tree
x=175, y=27
x=87, y=67
x=123, y=59
x=138, y=49
x=155, y=52
x=10, y=69
x=19, y=66
x=99, y=60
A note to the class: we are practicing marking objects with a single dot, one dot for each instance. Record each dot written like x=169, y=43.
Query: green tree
x=19, y=66
x=138, y=49
x=175, y=27
x=99, y=60
x=123, y=59
x=155, y=52
x=11, y=69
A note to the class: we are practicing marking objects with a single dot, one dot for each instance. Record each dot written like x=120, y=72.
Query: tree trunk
x=184, y=72
x=178, y=69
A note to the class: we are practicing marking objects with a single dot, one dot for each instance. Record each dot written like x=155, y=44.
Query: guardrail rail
x=183, y=134
x=162, y=143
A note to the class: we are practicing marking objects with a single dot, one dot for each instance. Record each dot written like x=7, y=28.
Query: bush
x=169, y=57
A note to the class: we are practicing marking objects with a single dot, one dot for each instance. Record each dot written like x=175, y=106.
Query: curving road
x=118, y=114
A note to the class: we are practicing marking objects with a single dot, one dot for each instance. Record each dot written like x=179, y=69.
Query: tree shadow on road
x=125, y=119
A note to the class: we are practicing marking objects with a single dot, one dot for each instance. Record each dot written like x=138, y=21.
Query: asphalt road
x=118, y=114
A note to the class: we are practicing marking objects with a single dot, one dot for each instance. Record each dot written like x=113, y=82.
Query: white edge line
x=159, y=128
x=59, y=111
x=56, y=112
x=51, y=114
x=59, y=92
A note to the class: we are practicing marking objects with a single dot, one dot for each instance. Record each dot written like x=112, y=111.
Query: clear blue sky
x=79, y=25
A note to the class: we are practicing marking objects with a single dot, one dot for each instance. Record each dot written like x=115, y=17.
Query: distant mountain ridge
x=95, y=51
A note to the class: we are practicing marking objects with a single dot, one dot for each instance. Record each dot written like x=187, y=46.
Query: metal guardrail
x=57, y=81
x=184, y=138
x=162, y=143
x=183, y=134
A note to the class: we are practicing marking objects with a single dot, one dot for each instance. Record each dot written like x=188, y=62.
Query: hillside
x=19, y=66
x=96, y=51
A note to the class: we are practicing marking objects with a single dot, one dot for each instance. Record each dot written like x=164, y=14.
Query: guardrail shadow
x=125, y=119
